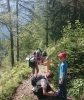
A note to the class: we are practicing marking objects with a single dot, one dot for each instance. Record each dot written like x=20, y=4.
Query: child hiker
x=62, y=93
x=47, y=63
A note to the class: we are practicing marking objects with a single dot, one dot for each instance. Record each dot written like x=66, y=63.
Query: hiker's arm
x=44, y=85
x=63, y=75
x=49, y=93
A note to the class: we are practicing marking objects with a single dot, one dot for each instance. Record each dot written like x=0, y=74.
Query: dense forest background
x=52, y=25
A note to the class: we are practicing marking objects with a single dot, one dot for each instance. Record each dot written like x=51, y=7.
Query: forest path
x=24, y=90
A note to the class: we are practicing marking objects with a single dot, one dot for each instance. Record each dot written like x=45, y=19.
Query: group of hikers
x=41, y=83
x=36, y=59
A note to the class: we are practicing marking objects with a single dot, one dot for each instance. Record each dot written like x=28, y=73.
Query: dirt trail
x=24, y=90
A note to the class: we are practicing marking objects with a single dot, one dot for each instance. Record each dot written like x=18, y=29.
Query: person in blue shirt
x=62, y=92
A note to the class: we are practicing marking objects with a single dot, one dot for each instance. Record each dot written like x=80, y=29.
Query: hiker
x=41, y=59
x=43, y=90
x=47, y=64
x=62, y=93
x=44, y=53
x=33, y=64
x=38, y=54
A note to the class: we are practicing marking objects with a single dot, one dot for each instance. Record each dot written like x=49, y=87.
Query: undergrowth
x=10, y=80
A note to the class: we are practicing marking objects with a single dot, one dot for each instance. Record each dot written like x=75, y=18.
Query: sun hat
x=62, y=54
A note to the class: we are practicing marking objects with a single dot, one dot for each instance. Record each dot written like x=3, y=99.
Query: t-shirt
x=41, y=83
x=63, y=68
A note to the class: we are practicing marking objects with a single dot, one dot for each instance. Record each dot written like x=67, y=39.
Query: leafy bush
x=77, y=89
x=54, y=69
x=73, y=44
x=10, y=80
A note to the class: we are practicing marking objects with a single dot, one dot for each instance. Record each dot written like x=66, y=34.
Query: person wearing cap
x=62, y=93
x=44, y=90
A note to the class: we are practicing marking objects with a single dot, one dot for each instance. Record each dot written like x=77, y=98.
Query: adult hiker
x=38, y=54
x=41, y=59
x=44, y=54
x=42, y=88
x=47, y=63
x=62, y=77
x=33, y=64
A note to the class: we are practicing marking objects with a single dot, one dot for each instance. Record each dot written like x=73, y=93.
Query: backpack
x=44, y=53
x=39, y=93
x=35, y=79
x=32, y=59
x=32, y=62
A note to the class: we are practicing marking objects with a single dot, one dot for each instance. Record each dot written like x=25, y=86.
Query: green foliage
x=55, y=69
x=57, y=17
x=73, y=44
x=10, y=80
x=30, y=36
x=77, y=88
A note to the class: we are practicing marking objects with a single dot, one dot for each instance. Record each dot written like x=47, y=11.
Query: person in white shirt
x=43, y=90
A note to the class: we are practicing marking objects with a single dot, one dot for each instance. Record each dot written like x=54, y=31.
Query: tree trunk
x=11, y=35
x=47, y=33
x=17, y=32
x=74, y=14
x=47, y=24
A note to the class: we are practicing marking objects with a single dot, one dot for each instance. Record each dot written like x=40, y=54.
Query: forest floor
x=24, y=91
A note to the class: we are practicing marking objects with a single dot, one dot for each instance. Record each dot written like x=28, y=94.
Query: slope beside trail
x=24, y=90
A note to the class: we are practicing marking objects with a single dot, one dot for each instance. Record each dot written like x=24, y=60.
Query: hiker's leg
x=46, y=68
x=37, y=69
x=65, y=90
x=60, y=91
x=33, y=71
x=38, y=60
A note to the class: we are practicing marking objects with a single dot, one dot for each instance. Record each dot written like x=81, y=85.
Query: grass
x=10, y=80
